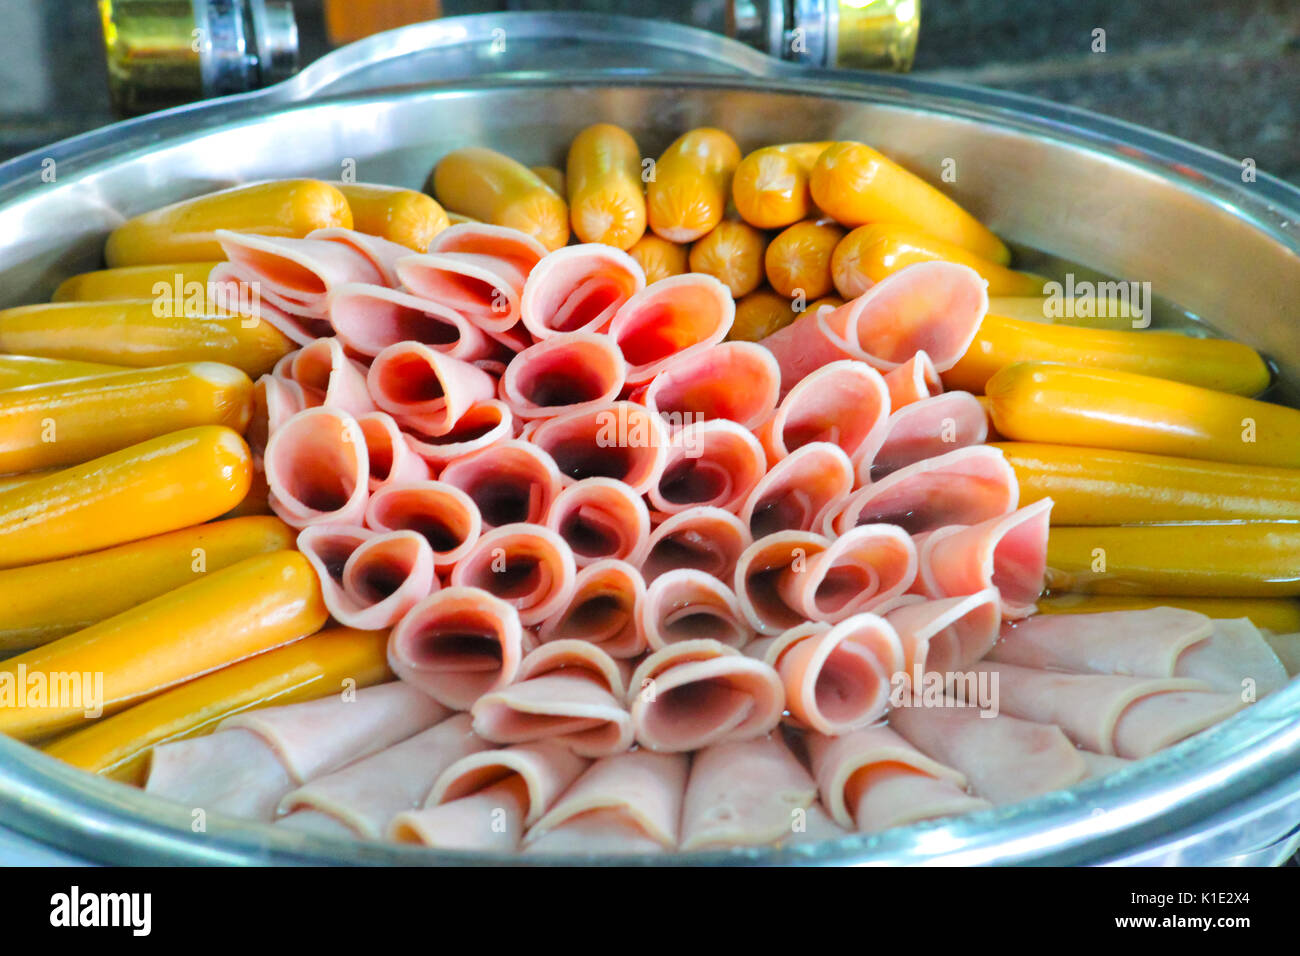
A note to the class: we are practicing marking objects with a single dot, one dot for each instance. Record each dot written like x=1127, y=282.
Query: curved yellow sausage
x=62, y=423
x=403, y=216
x=1280, y=615
x=732, y=253
x=130, y=333
x=688, y=193
x=27, y=477
x=313, y=667
x=606, y=195
x=41, y=602
x=160, y=485
x=185, y=231
x=131, y=282
x=1103, y=408
x=771, y=185
x=494, y=188
x=1077, y=311
x=659, y=258
x=249, y=607
x=17, y=371
x=759, y=314
x=855, y=185
x=799, y=259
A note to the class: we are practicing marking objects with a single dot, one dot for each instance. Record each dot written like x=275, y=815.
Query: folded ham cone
x=380, y=252
x=568, y=372
x=601, y=519
x=946, y=635
x=442, y=514
x=1008, y=553
x=1129, y=717
x=230, y=289
x=602, y=611
x=392, y=459
x=510, y=481
x=872, y=779
x=567, y=691
x=926, y=428
x=736, y=381
x=425, y=389
x=914, y=380
x=702, y=537
x=620, y=440
x=327, y=376
x=935, y=307
x=687, y=604
x=692, y=694
x=282, y=399
x=715, y=463
x=370, y=318
x=799, y=490
x=483, y=425
x=578, y=289
x=759, y=571
x=317, y=469
x=865, y=569
x=526, y=565
x=845, y=403
x=673, y=318
x=383, y=575
x=456, y=645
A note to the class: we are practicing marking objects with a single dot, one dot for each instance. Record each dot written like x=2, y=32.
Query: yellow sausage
x=496, y=189
x=256, y=502
x=1096, y=486
x=1103, y=408
x=771, y=188
x=606, y=195
x=62, y=423
x=659, y=258
x=185, y=231
x=255, y=605
x=131, y=282
x=1250, y=559
x=799, y=259
x=552, y=176
x=308, y=669
x=19, y=370
x=759, y=314
x=732, y=253
x=688, y=193
x=1077, y=311
x=129, y=333
x=1280, y=615
x=870, y=253
x=13, y=481
x=458, y=218
x=160, y=485
x=401, y=215
x=854, y=184
x=1218, y=364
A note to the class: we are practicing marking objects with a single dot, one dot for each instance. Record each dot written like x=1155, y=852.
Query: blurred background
x=1221, y=73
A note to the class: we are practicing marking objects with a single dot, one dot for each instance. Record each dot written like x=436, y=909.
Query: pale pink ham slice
x=327, y=547
x=229, y=293
x=738, y=381
x=518, y=249
x=758, y=575
x=567, y=691
x=382, y=253
x=392, y=459
x=1005, y=758
x=935, y=307
x=369, y=580
x=483, y=425
x=510, y=482
x=799, y=490
x=837, y=677
x=602, y=610
x=442, y=514
x=672, y=318
x=865, y=569
x=601, y=519
x=296, y=274
x=370, y=318
x=425, y=389
x=925, y=429
x=845, y=403
x=687, y=604
x=1235, y=660
x=578, y=289
x=456, y=645
x=526, y=565
x=630, y=802
x=233, y=772
x=914, y=380
x=621, y=441
x=1100, y=765
x=365, y=796
x=1118, y=716
x=946, y=635
x=1008, y=553
x=715, y=463
x=568, y=372
x=283, y=400
x=327, y=376
x=872, y=779
x=702, y=537
x=692, y=694
x=317, y=469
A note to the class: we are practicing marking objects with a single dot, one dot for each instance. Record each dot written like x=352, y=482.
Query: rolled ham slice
x=327, y=376
x=381, y=578
x=1007, y=553
x=425, y=389
x=442, y=514
x=621, y=441
x=578, y=289
x=371, y=318
x=687, y=604
x=845, y=403
x=392, y=459
x=692, y=694
x=670, y=319
x=799, y=490
x=282, y=399
x=715, y=463
x=704, y=538
x=456, y=645
x=568, y=372
x=382, y=253
x=317, y=469
x=946, y=635
x=738, y=381
x=327, y=547
x=483, y=425
x=865, y=569
x=914, y=380
x=526, y=565
x=1100, y=765
x=601, y=519
x=1235, y=660
x=234, y=772
x=760, y=570
x=925, y=429
x=509, y=482
x=603, y=610
x=231, y=291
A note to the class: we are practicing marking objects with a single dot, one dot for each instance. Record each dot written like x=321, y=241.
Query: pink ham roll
x=231, y=291
x=425, y=389
x=925, y=429
x=317, y=469
x=568, y=372
x=526, y=565
x=865, y=569
x=370, y=318
x=327, y=547
x=578, y=289
x=602, y=611
x=914, y=380
x=483, y=425
x=327, y=376
x=570, y=692
x=670, y=319
x=686, y=605
x=379, y=252
x=392, y=459
x=947, y=635
x=715, y=463
x=601, y=519
x=872, y=779
x=759, y=573
x=845, y=403
x=510, y=482
x=837, y=677
x=738, y=381
x=799, y=491
x=621, y=441
x=382, y=578
x=692, y=694
x=704, y=538
x=1129, y=717
x=456, y=645
x=1008, y=553
x=440, y=513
